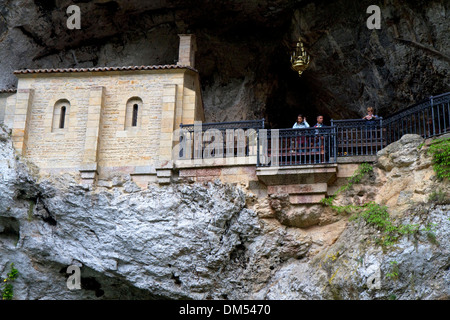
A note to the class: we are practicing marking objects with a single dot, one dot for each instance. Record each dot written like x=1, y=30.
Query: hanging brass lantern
x=299, y=58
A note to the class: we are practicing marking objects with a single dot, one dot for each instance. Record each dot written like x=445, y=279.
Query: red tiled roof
x=99, y=69
x=11, y=90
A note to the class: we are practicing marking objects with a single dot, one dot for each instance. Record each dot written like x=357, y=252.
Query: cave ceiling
x=244, y=49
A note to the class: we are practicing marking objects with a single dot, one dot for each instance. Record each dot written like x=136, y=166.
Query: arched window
x=133, y=113
x=60, y=115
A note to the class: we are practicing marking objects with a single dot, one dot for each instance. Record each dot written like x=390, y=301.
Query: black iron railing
x=245, y=124
x=427, y=118
x=344, y=138
x=289, y=147
x=356, y=137
x=219, y=140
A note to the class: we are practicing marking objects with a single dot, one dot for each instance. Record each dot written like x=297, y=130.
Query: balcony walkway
x=300, y=162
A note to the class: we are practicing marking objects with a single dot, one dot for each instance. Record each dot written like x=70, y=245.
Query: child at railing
x=370, y=115
x=370, y=131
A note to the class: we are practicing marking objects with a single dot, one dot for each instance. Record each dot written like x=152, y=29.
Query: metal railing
x=427, y=118
x=220, y=139
x=289, y=147
x=244, y=124
x=356, y=137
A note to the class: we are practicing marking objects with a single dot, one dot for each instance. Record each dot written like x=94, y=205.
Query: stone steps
x=301, y=193
x=304, y=184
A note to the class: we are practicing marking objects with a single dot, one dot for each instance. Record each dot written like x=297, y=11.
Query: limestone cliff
x=217, y=241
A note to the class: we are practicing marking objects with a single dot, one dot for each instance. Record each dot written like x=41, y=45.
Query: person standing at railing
x=301, y=122
x=319, y=123
x=370, y=116
x=300, y=141
x=318, y=140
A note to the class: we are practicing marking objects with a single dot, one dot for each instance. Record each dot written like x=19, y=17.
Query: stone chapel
x=104, y=120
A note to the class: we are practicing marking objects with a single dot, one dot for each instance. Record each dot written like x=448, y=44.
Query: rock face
x=405, y=174
x=209, y=241
x=180, y=241
x=244, y=49
x=354, y=267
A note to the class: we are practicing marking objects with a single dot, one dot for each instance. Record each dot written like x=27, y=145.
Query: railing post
x=432, y=115
x=381, y=134
x=257, y=146
x=180, y=153
x=334, y=135
x=334, y=143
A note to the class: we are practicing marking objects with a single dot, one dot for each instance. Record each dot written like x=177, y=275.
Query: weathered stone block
x=88, y=167
x=298, y=188
x=88, y=174
x=164, y=180
x=188, y=173
x=209, y=172
x=144, y=170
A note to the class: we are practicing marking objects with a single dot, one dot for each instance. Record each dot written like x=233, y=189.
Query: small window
x=61, y=111
x=62, y=117
x=133, y=114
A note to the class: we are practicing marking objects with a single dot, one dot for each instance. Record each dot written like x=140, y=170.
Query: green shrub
x=7, y=287
x=394, y=271
x=439, y=197
x=440, y=150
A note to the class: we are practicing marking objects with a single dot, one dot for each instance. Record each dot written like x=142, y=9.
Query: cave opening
x=293, y=95
x=9, y=230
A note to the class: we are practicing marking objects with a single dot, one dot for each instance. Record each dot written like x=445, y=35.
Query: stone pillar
x=2, y=107
x=89, y=168
x=189, y=105
x=165, y=164
x=186, y=53
x=167, y=122
x=22, y=114
x=9, y=110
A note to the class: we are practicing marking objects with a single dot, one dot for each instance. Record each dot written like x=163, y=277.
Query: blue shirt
x=304, y=124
